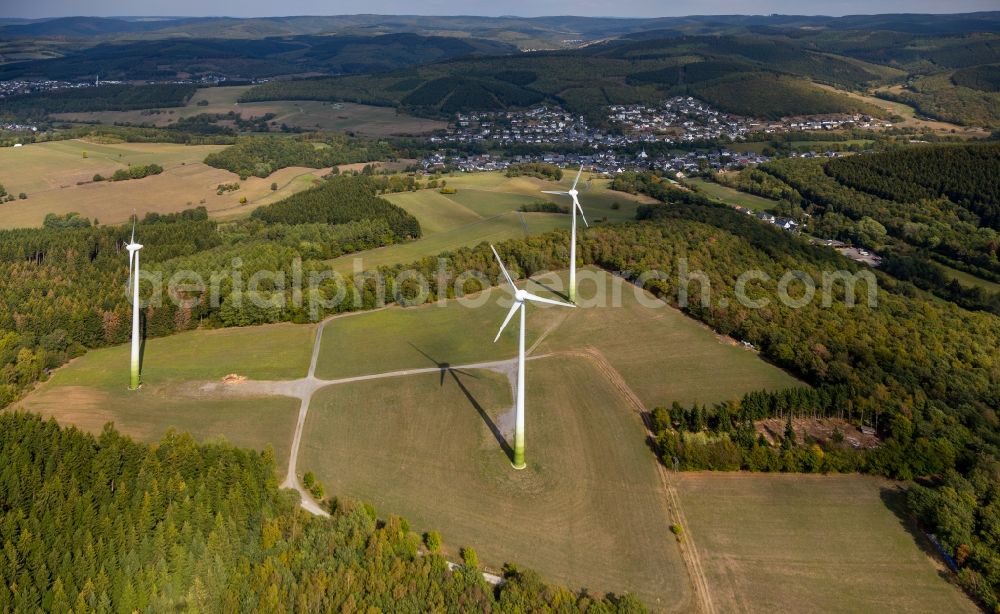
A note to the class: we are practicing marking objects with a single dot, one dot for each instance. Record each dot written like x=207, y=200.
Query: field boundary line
x=689, y=551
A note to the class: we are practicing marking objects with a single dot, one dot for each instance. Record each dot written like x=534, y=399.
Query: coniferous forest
x=103, y=524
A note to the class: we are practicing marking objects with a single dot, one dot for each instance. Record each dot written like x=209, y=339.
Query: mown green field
x=485, y=208
x=786, y=543
x=663, y=355
x=589, y=510
x=730, y=196
x=92, y=390
x=397, y=338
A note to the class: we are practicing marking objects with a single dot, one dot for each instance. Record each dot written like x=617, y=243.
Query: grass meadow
x=730, y=196
x=92, y=390
x=588, y=511
x=485, y=208
x=58, y=179
x=784, y=543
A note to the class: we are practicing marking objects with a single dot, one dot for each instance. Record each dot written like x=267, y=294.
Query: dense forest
x=933, y=222
x=262, y=155
x=103, y=524
x=722, y=69
x=967, y=175
x=104, y=98
x=339, y=200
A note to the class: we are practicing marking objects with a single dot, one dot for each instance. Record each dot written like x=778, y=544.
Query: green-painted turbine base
x=519, y=467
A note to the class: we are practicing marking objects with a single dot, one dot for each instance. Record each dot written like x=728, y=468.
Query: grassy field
x=704, y=368
x=309, y=115
x=49, y=174
x=781, y=543
x=730, y=196
x=418, y=337
x=909, y=114
x=678, y=359
x=485, y=208
x=969, y=280
x=92, y=390
x=587, y=512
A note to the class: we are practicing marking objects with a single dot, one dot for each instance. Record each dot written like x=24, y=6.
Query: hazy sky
x=526, y=8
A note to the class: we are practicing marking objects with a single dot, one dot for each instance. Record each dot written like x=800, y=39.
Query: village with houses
x=681, y=119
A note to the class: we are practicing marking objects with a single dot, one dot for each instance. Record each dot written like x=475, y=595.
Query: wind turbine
x=572, y=193
x=133, y=286
x=520, y=296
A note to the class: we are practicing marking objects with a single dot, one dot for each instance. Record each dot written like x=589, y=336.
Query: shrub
x=432, y=539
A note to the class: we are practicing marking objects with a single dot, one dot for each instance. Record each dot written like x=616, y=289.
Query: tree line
x=102, y=524
x=921, y=371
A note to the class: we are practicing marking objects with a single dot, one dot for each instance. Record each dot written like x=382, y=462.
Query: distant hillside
x=522, y=31
x=266, y=57
x=723, y=69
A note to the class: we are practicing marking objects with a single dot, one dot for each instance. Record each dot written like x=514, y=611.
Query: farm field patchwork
x=588, y=511
x=779, y=543
x=305, y=114
x=49, y=173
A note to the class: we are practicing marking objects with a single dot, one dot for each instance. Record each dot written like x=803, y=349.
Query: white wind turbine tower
x=572, y=193
x=520, y=296
x=133, y=286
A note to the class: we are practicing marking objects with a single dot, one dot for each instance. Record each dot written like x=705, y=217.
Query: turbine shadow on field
x=447, y=370
x=564, y=295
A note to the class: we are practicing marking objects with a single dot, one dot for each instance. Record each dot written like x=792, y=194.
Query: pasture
x=397, y=338
x=729, y=196
x=92, y=390
x=782, y=543
x=485, y=208
x=58, y=179
x=588, y=511
x=909, y=114
x=678, y=359
x=305, y=114
x=969, y=280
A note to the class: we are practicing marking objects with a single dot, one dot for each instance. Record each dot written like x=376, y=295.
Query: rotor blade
x=510, y=314
x=133, y=226
x=539, y=299
x=503, y=269
x=555, y=192
x=578, y=173
x=579, y=208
